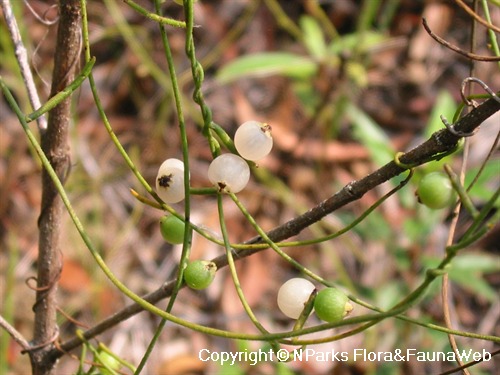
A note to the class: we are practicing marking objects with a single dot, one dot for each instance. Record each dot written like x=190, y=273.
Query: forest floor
x=343, y=90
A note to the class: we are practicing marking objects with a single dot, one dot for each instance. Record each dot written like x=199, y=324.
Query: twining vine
x=440, y=144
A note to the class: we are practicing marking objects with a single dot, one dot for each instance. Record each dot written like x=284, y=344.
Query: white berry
x=170, y=181
x=253, y=140
x=229, y=173
x=293, y=295
x=174, y=163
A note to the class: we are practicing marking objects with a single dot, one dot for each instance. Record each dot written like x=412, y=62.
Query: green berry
x=332, y=305
x=199, y=274
x=435, y=190
x=172, y=229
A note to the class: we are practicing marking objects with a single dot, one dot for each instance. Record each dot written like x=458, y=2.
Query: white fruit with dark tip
x=293, y=296
x=229, y=173
x=170, y=181
x=253, y=140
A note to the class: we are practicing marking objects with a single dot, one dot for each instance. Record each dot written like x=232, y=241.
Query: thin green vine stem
x=355, y=222
x=154, y=16
x=226, y=140
x=153, y=309
x=398, y=309
x=465, y=200
x=135, y=45
x=83, y=353
x=64, y=93
x=102, y=264
x=432, y=326
x=123, y=362
x=96, y=352
x=283, y=20
x=241, y=246
x=356, y=320
x=403, y=305
x=272, y=244
x=102, y=114
x=483, y=213
x=482, y=166
x=476, y=230
x=186, y=247
x=185, y=154
x=329, y=28
x=214, y=54
x=491, y=34
x=478, y=234
x=232, y=267
x=462, y=104
x=339, y=336
x=290, y=334
x=198, y=77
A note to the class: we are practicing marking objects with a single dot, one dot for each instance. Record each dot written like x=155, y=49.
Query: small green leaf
x=476, y=263
x=446, y=106
x=371, y=135
x=467, y=271
x=474, y=283
x=313, y=37
x=486, y=183
x=266, y=64
x=350, y=42
x=357, y=73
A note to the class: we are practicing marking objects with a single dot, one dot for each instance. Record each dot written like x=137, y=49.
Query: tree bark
x=54, y=142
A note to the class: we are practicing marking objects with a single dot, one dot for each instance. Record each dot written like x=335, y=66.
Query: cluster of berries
x=228, y=172
x=330, y=304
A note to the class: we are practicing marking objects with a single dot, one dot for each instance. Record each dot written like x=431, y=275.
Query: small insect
x=170, y=181
x=165, y=180
x=266, y=128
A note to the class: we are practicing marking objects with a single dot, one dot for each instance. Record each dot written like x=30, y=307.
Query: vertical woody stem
x=54, y=143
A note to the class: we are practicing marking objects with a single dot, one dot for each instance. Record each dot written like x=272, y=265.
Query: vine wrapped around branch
x=440, y=143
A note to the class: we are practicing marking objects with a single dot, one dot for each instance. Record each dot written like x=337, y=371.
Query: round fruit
x=229, y=173
x=293, y=295
x=170, y=181
x=331, y=305
x=253, y=140
x=172, y=229
x=199, y=274
x=435, y=190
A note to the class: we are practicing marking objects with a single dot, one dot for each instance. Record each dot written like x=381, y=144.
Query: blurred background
x=344, y=85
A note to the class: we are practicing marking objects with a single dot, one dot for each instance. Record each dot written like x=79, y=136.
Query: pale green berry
x=199, y=274
x=435, y=190
x=172, y=229
x=332, y=305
